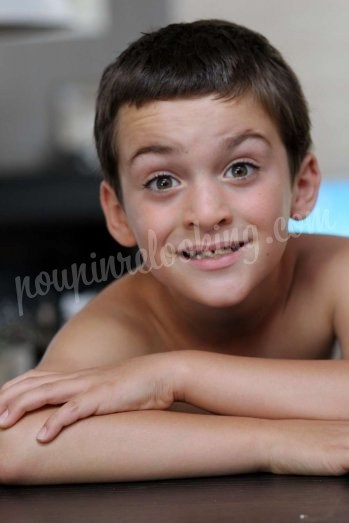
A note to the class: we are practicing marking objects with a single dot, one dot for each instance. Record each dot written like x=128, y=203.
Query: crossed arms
x=284, y=416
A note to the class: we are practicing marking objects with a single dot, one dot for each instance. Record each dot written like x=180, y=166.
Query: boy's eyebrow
x=154, y=149
x=234, y=141
x=231, y=142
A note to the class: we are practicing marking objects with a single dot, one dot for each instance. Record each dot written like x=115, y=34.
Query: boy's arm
x=159, y=444
x=266, y=388
x=130, y=446
x=221, y=384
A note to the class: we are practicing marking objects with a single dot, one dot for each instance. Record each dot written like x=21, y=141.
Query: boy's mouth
x=210, y=252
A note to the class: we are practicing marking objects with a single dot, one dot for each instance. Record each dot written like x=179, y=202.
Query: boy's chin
x=219, y=291
x=217, y=297
x=219, y=302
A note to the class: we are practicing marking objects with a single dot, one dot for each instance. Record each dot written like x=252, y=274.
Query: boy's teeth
x=212, y=253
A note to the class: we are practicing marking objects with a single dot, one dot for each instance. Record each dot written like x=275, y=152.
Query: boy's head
x=196, y=59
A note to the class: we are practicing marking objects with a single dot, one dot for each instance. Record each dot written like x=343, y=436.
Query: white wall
x=313, y=36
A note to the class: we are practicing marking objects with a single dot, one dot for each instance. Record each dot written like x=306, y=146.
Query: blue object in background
x=331, y=213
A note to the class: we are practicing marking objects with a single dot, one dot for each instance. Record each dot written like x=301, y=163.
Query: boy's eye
x=240, y=170
x=162, y=182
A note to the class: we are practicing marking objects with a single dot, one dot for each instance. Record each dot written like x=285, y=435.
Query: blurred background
x=52, y=54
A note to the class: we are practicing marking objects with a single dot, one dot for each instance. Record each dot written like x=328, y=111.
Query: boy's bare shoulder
x=336, y=274
x=111, y=328
x=322, y=260
x=325, y=253
x=323, y=263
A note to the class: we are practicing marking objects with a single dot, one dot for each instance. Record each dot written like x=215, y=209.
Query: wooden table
x=243, y=499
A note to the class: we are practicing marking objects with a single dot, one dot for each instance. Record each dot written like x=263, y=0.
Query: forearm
x=131, y=446
x=265, y=388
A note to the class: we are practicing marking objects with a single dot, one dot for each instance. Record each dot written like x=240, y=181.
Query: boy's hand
x=306, y=447
x=145, y=382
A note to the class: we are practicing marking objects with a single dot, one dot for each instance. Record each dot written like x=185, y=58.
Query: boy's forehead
x=185, y=118
x=181, y=108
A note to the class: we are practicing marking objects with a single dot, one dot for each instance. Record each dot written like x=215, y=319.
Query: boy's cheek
x=252, y=253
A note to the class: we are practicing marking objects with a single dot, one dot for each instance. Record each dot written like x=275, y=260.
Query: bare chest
x=300, y=330
x=300, y=335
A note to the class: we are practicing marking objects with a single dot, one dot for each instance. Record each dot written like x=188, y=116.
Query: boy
x=204, y=139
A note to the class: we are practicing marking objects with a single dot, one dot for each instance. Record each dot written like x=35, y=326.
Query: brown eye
x=162, y=182
x=241, y=170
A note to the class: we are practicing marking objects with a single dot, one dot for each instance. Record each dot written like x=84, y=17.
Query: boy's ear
x=305, y=188
x=115, y=216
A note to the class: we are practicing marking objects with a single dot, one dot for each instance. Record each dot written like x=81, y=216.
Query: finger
x=29, y=381
x=80, y=407
x=25, y=386
x=42, y=375
x=26, y=383
x=48, y=394
x=12, y=391
x=33, y=373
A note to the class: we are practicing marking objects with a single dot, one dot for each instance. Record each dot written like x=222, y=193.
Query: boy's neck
x=207, y=325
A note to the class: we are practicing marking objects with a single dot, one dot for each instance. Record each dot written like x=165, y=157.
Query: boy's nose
x=207, y=206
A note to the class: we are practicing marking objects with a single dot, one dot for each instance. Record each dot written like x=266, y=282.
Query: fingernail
x=41, y=434
x=4, y=416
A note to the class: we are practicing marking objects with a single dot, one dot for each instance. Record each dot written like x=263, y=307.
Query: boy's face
x=207, y=194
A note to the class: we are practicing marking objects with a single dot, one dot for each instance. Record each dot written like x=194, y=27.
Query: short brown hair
x=196, y=59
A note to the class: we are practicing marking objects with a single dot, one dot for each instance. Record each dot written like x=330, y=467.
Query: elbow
x=18, y=457
x=10, y=461
x=21, y=456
